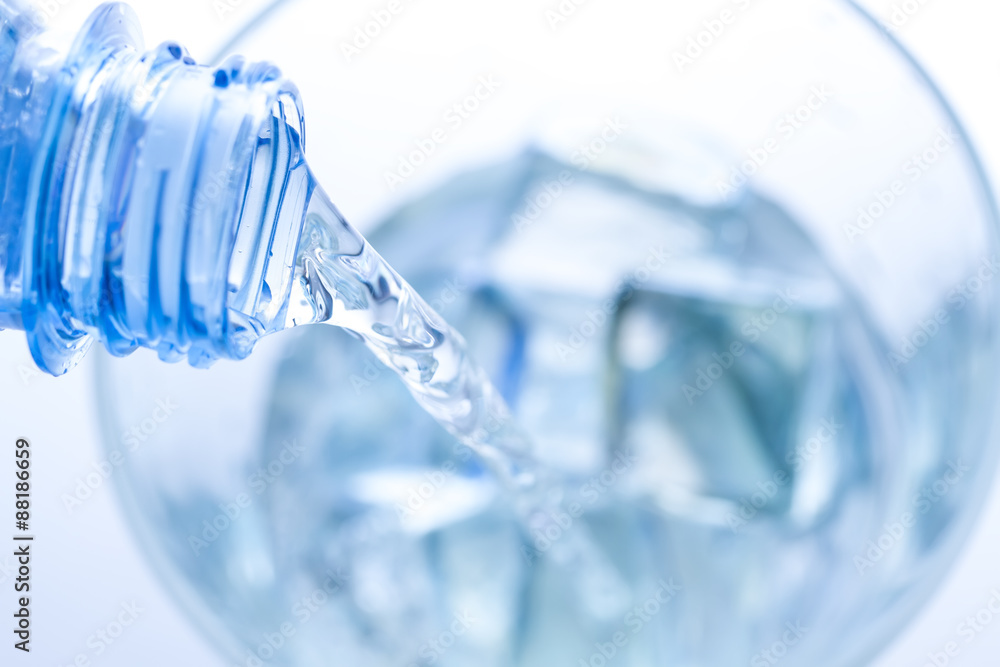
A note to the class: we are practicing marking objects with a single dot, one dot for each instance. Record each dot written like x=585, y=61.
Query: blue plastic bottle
x=147, y=201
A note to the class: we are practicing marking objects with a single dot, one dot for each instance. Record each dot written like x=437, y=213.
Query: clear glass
x=743, y=305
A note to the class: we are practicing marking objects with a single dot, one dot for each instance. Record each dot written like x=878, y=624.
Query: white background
x=87, y=564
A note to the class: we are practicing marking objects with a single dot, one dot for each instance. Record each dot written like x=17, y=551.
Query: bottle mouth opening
x=265, y=243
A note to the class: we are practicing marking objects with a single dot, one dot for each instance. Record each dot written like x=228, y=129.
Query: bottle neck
x=155, y=202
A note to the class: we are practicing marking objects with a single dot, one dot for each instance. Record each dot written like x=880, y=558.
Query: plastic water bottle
x=125, y=172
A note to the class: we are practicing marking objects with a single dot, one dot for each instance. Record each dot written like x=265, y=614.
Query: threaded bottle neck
x=141, y=178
